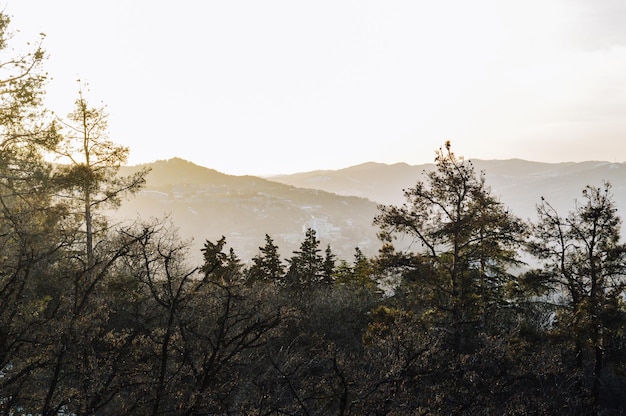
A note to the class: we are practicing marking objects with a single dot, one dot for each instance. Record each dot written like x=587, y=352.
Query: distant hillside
x=376, y=181
x=519, y=183
x=206, y=204
x=341, y=204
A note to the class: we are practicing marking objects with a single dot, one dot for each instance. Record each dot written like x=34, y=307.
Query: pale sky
x=261, y=87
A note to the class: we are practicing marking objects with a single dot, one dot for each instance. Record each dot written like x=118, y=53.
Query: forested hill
x=340, y=204
x=520, y=184
x=206, y=204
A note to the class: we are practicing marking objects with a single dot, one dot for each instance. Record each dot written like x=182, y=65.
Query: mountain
x=206, y=204
x=339, y=204
x=375, y=181
x=520, y=184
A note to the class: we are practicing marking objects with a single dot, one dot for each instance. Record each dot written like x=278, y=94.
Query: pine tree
x=584, y=263
x=267, y=265
x=466, y=243
x=328, y=266
x=90, y=165
x=306, y=265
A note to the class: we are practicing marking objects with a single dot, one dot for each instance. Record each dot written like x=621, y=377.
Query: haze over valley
x=339, y=204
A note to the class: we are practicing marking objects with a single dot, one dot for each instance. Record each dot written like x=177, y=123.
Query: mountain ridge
x=519, y=183
x=206, y=204
x=340, y=204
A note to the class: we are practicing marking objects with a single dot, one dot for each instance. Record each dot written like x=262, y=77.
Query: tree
x=197, y=330
x=92, y=163
x=30, y=235
x=467, y=239
x=328, y=266
x=306, y=265
x=584, y=268
x=267, y=265
x=227, y=267
x=81, y=348
x=23, y=125
x=361, y=275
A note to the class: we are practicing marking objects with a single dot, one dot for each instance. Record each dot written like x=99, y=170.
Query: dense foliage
x=98, y=319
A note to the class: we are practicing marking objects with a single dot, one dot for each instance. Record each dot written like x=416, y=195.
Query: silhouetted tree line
x=113, y=320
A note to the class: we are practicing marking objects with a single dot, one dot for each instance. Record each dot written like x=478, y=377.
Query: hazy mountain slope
x=519, y=183
x=340, y=205
x=206, y=204
x=376, y=181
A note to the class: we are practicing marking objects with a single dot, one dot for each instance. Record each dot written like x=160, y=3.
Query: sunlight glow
x=280, y=86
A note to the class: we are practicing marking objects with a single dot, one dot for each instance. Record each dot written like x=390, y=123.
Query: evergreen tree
x=468, y=243
x=90, y=166
x=584, y=267
x=219, y=266
x=328, y=266
x=267, y=265
x=31, y=237
x=306, y=265
x=361, y=274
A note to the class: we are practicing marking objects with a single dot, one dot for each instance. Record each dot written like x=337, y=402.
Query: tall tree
x=267, y=265
x=442, y=335
x=91, y=162
x=585, y=263
x=467, y=242
x=328, y=266
x=306, y=264
x=30, y=235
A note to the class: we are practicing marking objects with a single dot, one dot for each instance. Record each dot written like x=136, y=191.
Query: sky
x=283, y=86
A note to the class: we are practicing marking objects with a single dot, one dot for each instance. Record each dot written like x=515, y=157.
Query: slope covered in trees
x=205, y=203
x=116, y=318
